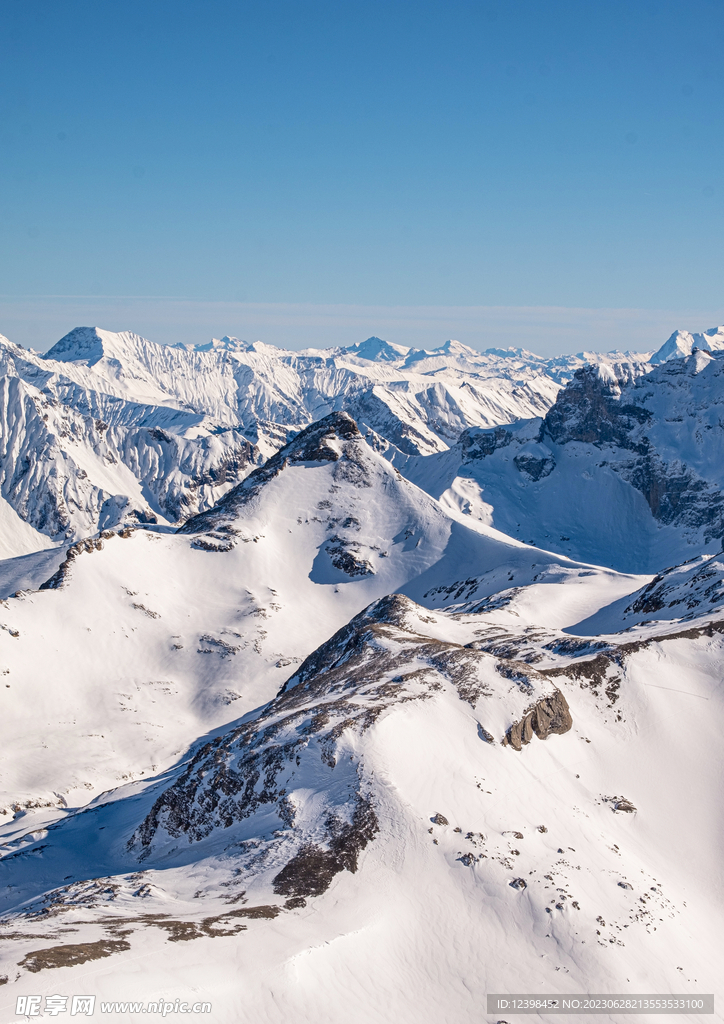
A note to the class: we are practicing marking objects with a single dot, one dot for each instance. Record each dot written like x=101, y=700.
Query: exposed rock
x=624, y=805
x=589, y=409
x=676, y=494
x=324, y=441
x=624, y=413
x=548, y=715
x=476, y=444
x=485, y=736
x=68, y=955
x=693, y=588
x=62, y=573
x=535, y=465
x=346, y=558
x=311, y=871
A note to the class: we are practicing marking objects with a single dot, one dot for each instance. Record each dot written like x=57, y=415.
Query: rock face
x=549, y=715
x=591, y=409
x=536, y=462
x=663, y=420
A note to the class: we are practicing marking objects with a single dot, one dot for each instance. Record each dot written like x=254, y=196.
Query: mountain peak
x=452, y=347
x=91, y=344
x=682, y=343
x=377, y=350
x=320, y=442
x=84, y=343
x=225, y=344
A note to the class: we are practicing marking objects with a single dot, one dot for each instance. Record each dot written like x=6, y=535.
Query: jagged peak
x=312, y=443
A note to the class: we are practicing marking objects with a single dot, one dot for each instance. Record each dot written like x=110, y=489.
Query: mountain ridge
x=163, y=431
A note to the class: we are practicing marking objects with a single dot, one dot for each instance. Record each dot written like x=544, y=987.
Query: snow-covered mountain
x=683, y=343
x=363, y=683
x=451, y=789
x=107, y=428
x=208, y=620
x=623, y=471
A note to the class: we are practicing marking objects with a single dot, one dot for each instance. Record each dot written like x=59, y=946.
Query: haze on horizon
x=499, y=173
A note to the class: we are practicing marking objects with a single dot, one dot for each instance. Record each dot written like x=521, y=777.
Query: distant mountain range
x=111, y=428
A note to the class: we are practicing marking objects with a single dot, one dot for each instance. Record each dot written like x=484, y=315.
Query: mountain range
x=106, y=429
x=358, y=684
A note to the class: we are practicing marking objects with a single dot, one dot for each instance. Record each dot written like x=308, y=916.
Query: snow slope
x=387, y=855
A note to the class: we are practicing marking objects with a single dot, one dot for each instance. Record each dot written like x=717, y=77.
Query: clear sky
x=460, y=154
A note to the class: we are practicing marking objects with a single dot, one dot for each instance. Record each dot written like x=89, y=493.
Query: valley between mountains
x=356, y=684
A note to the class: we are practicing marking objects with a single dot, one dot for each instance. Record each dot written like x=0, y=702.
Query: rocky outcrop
x=548, y=715
x=676, y=494
x=476, y=444
x=683, y=591
x=535, y=462
x=590, y=410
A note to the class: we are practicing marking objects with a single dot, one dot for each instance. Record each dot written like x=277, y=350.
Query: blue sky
x=459, y=154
